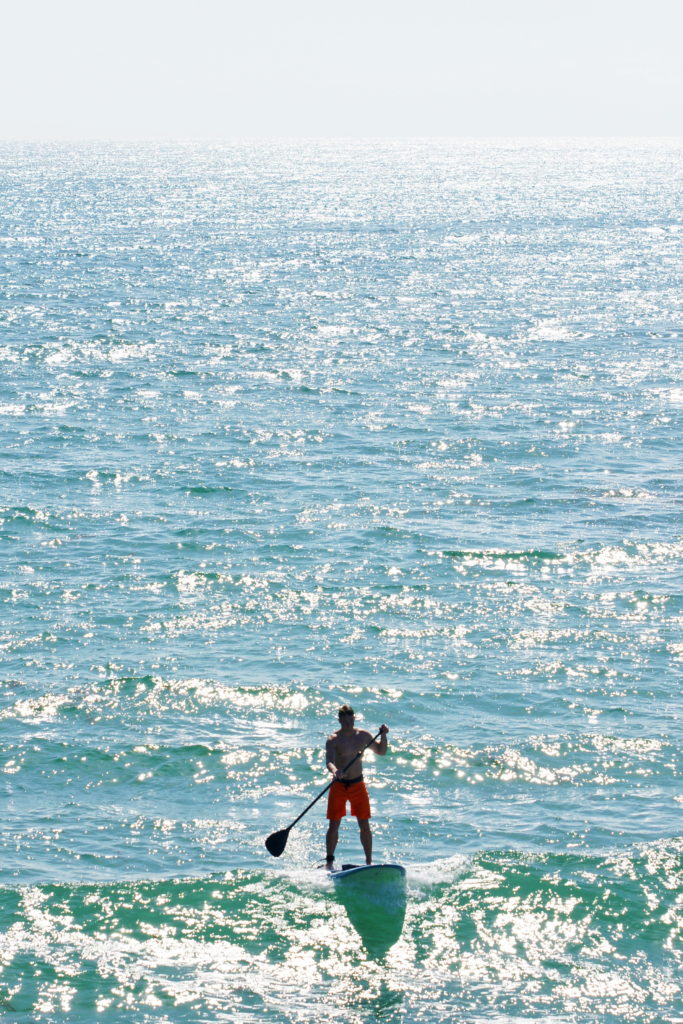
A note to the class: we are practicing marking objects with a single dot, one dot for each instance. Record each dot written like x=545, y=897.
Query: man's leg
x=332, y=838
x=366, y=839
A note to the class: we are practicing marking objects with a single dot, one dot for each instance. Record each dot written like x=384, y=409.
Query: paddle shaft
x=330, y=784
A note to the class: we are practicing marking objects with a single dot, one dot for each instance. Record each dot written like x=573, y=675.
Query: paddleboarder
x=277, y=841
x=348, y=787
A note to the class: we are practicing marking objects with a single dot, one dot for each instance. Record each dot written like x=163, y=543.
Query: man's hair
x=345, y=709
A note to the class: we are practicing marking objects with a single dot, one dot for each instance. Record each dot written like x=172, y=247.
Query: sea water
x=291, y=424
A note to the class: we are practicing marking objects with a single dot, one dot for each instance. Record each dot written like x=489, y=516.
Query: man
x=348, y=786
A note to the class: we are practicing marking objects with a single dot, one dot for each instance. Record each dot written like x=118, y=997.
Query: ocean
x=291, y=424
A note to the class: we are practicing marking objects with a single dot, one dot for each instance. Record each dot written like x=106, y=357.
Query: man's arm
x=330, y=754
x=380, y=746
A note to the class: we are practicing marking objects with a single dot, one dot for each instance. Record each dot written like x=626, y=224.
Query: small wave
x=205, y=490
x=437, y=872
x=532, y=555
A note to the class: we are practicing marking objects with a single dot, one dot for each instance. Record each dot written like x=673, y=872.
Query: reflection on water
x=375, y=903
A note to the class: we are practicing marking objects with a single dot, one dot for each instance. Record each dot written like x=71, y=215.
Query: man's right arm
x=330, y=753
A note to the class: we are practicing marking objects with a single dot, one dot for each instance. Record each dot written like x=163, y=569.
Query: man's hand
x=384, y=729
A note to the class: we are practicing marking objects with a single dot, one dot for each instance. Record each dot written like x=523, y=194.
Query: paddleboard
x=374, y=897
x=381, y=873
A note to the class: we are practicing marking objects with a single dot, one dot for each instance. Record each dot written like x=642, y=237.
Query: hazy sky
x=139, y=69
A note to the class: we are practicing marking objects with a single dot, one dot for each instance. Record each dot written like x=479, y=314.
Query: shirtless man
x=349, y=786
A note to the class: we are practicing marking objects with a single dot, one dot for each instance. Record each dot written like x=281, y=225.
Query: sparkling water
x=291, y=424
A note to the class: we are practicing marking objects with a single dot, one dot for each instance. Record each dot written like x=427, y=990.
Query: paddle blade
x=276, y=843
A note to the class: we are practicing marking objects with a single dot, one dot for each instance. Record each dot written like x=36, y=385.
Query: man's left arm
x=380, y=746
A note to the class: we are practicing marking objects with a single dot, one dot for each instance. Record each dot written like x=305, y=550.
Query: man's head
x=345, y=715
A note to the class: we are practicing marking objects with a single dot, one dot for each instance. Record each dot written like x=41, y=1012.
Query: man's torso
x=346, y=746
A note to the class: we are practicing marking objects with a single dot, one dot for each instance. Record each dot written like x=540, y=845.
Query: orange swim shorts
x=356, y=794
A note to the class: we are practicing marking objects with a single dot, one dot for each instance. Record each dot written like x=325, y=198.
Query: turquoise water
x=286, y=425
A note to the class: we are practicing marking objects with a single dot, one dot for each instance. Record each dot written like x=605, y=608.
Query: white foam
x=446, y=869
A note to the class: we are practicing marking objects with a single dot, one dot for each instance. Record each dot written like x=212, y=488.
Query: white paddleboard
x=374, y=897
x=370, y=873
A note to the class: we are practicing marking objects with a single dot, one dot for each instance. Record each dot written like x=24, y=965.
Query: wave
x=539, y=935
x=532, y=554
x=629, y=896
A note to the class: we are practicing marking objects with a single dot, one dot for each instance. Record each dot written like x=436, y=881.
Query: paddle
x=276, y=843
